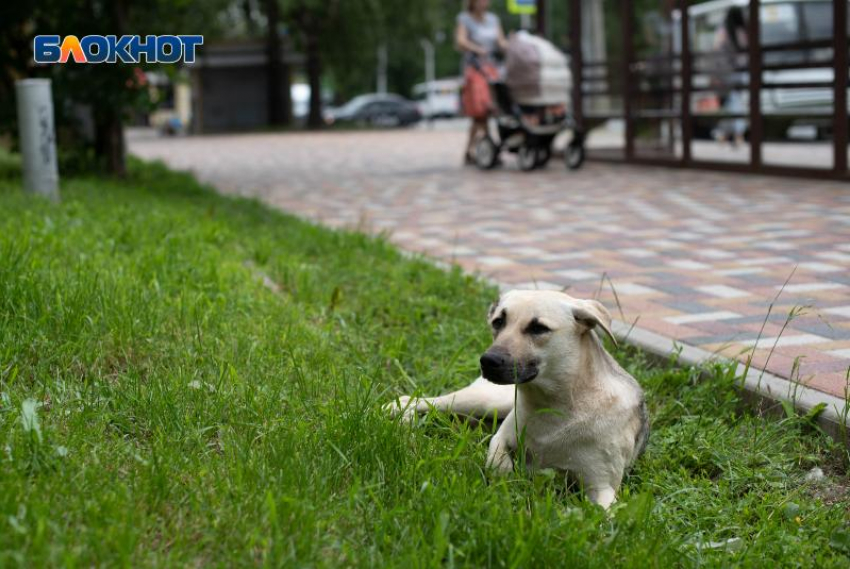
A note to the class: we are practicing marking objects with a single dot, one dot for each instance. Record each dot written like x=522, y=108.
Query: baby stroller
x=530, y=107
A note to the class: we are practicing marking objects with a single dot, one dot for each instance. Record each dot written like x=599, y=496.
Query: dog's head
x=539, y=333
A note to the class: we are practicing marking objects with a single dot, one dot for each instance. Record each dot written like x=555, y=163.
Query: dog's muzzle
x=497, y=366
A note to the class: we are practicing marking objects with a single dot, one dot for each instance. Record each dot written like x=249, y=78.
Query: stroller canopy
x=536, y=72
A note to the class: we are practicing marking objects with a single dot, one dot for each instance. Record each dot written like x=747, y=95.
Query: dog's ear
x=592, y=314
x=492, y=309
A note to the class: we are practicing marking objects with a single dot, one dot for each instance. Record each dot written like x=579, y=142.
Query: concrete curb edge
x=765, y=387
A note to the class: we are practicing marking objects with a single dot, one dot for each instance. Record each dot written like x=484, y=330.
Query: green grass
x=160, y=406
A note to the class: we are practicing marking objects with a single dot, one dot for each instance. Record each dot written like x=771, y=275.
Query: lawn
x=161, y=405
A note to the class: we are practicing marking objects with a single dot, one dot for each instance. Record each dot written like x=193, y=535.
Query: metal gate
x=655, y=77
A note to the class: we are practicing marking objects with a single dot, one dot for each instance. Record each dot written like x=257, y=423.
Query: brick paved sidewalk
x=697, y=257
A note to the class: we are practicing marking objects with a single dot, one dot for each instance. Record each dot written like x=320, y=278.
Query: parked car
x=375, y=109
x=438, y=99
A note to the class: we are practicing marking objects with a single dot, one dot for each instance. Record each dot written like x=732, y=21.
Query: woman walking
x=479, y=37
x=730, y=42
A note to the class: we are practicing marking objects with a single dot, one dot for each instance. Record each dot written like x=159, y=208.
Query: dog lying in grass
x=551, y=380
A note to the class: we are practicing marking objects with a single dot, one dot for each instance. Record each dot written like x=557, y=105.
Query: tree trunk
x=109, y=124
x=314, y=77
x=249, y=20
x=109, y=141
x=277, y=72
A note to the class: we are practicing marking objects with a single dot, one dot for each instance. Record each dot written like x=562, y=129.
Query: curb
x=766, y=390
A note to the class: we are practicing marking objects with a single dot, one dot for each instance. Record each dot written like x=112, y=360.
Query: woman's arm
x=463, y=43
x=720, y=38
x=743, y=40
x=503, y=41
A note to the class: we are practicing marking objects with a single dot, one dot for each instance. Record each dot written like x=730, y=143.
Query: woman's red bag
x=476, y=98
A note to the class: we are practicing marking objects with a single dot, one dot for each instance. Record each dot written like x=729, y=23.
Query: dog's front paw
x=603, y=496
x=500, y=463
x=402, y=406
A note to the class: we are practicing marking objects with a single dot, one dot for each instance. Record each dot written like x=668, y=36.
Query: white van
x=438, y=99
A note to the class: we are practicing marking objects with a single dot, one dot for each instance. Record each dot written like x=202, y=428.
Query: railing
x=662, y=88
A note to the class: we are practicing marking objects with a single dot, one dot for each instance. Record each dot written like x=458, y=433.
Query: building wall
x=231, y=99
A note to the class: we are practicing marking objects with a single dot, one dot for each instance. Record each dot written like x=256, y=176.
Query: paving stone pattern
x=695, y=256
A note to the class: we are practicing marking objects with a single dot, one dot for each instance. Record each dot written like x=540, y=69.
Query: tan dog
x=578, y=411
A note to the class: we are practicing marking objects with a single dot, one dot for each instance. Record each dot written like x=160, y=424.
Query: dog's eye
x=536, y=328
x=499, y=323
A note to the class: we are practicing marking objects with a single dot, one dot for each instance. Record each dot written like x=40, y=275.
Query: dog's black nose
x=491, y=362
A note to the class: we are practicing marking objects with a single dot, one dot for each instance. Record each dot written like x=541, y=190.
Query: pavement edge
x=765, y=389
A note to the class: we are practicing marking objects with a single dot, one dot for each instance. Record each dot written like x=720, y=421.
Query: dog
x=549, y=378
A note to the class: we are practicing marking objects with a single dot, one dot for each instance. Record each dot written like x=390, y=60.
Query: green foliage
x=112, y=85
x=14, y=49
x=160, y=406
x=111, y=92
x=351, y=32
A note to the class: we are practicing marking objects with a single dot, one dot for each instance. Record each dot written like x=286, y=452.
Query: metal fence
x=661, y=92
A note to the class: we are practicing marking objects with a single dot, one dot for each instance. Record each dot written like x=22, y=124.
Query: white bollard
x=38, y=137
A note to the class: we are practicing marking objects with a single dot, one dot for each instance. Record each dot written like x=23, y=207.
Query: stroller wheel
x=527, y=158
x=574, y=155
x=486, y=153
x=543, y=156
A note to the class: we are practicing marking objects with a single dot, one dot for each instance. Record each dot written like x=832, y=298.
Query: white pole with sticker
x=38, y=137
